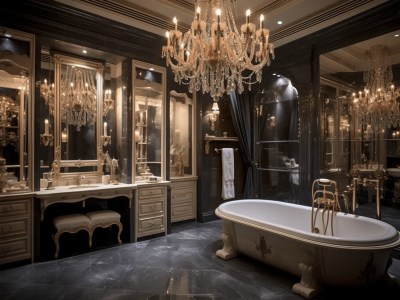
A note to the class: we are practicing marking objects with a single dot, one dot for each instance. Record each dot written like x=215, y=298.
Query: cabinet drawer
x=12, y=208
x=183, y=212
x=12, y=250
x=182, y=195
x=151, y=207
x=153, y=192
x=16, y=227
x=151, y=225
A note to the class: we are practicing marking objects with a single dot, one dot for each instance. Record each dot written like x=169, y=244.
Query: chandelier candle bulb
x=46, y=126
x=175, y=21
x=105, y=129
x=198, y=10
x=248, y=13
x=218, y=13
x=261, y=21
x=167, y=35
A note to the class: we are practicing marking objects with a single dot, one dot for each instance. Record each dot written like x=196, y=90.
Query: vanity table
x=80, y=193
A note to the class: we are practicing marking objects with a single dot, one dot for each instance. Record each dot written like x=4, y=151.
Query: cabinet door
x=182, y=137
x=148, y=121
x=277, y=141
x=16, y=103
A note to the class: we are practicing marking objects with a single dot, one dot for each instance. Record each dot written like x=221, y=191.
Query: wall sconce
x=64, y=136
x=214, y=115
x=46, y=137
x=105, y=138
x=108, y=102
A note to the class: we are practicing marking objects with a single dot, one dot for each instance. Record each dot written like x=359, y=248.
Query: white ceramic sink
x=394, y=172
x=83, y=186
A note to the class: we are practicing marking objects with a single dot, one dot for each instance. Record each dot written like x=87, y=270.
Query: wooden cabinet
x=15, y=228
x=151, y=209
x=183, y=199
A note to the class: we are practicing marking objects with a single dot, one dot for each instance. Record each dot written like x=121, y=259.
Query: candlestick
x=218, y=13
x=198, y=10
x=105, y=129
x=167, y=35
x=46, y=126
x=248, y=12
x=261, y=21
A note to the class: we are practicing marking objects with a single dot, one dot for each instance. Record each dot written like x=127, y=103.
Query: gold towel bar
x=219, y=149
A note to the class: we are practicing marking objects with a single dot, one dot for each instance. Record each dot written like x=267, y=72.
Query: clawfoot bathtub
x=357, y=252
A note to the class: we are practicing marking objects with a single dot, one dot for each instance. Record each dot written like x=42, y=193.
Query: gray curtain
x=240, y=106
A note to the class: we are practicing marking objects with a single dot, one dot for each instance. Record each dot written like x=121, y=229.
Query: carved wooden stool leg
x=119, y=232
x=56, y=238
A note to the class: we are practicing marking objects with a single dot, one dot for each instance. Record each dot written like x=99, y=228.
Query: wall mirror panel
x=360, y=94
x=81, y=91
x=16, y=77
x=148, y=121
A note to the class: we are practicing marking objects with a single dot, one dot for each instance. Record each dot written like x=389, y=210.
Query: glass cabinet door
x=181, y=134
x=16, y=135
x=277, y=141
x=148, y=121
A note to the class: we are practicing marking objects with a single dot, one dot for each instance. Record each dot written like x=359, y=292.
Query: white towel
x=228, y=173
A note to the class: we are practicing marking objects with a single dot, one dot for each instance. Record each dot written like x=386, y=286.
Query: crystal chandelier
x=379, y=104
x=78, y=97
x=214, y=56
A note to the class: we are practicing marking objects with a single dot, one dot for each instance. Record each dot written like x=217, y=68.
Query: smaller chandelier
x=378, y=104
x=78, y=97
x=213, y=56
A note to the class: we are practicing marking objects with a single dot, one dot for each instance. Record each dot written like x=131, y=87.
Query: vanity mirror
x=16, y=142
x=78, y=119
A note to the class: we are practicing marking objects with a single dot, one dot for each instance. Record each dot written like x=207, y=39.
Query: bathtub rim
x=384, y=246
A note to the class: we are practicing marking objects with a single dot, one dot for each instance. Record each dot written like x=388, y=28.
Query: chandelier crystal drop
x=213, y=55
x=78, y=97
x=379, y=104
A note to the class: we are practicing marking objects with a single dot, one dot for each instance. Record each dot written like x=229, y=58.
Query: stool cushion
x=71, y=221
x=103, y=216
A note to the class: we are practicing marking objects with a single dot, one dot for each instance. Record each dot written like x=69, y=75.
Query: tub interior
x=348, y=229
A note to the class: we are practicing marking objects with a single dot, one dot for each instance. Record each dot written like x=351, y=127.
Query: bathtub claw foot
x=228, y=251
x=308, y=286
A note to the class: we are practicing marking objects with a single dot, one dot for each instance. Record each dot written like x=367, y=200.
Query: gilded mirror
x=78, y=115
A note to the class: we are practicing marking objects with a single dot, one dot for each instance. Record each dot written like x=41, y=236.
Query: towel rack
x=219, y=149
x=209, y=138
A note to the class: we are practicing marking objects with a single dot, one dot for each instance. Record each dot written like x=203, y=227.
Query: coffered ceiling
x=299, y=17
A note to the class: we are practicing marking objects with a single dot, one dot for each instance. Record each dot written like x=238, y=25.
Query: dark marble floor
x=181, y=265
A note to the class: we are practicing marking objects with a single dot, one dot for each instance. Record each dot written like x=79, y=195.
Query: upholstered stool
x=69, y=223
x=104, y=218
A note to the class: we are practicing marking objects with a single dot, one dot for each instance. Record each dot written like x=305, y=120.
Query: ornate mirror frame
x=59, y=176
